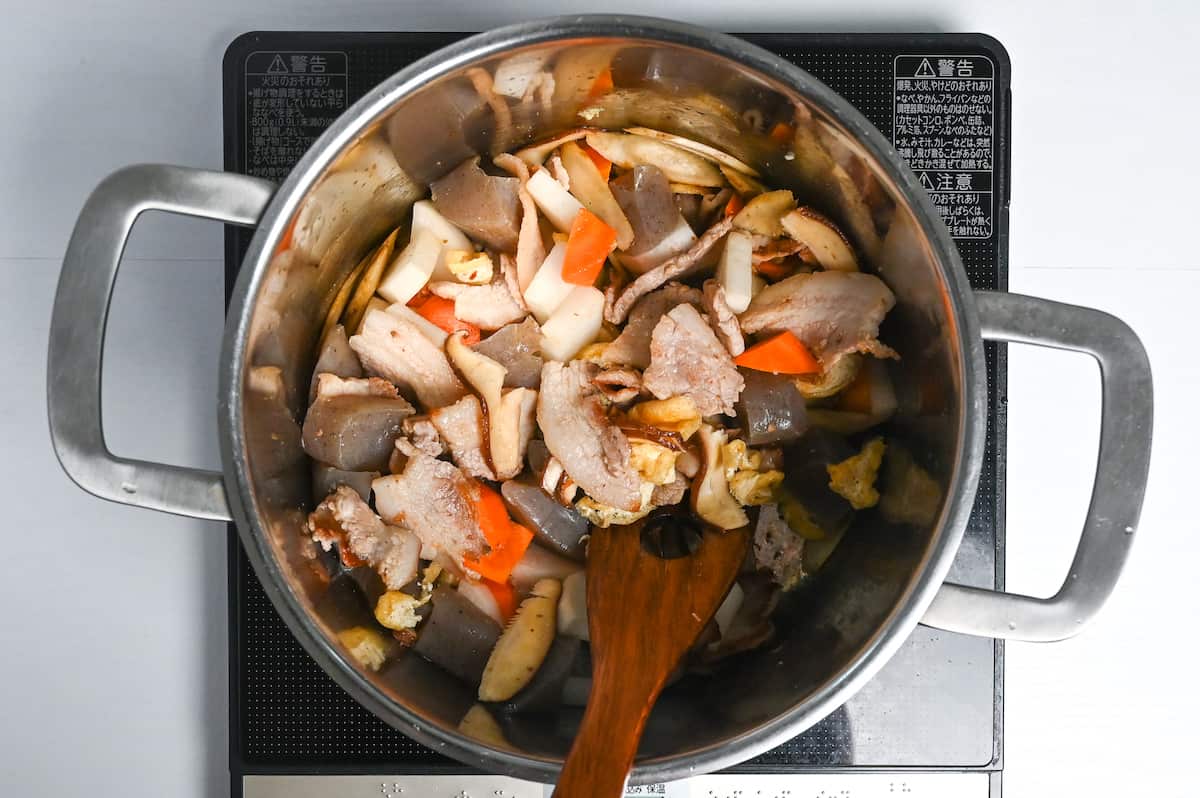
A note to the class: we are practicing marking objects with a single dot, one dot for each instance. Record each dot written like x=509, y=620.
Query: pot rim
x=373, y=106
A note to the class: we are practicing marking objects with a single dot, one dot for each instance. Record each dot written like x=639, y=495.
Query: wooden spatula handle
x=606, y=744
x=644, y=613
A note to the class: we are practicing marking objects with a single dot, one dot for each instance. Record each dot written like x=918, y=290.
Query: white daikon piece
x=574, y=325
x=736, y=270
x=374, y=303
x=553, y=200
x=426, y=217
x=547, y=289
x=412, y=268
x=478, y=594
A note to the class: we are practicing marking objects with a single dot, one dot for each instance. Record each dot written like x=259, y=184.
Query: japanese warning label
x=944, y=126
x=291, y=97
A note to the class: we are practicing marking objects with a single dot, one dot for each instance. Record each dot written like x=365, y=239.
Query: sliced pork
x=686, y=359
x=460, y=426
x=594, y=453
x=678, y=266
x=620, y=385
x=489, y=306
x=531, y=251
x=394, y=348
x=558, y=171
x=437, y=501
x=670, y=493
x=515, y=346
x=512, y=281
x=423, y=436
x=632, y=346
x=832, y=312
x=722, y=318
x=344, y=518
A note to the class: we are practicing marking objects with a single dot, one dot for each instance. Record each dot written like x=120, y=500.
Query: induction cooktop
x=930, y=724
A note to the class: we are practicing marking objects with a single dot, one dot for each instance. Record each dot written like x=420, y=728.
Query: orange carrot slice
x=734, y=205
x=782, y=133
x=856, y=398
x=440, y=311
x=603, y=165
x=508, y=540
x=491, y=513
x=602, y=85
x=505, y=595
x=285, y=242
x=782, y=354
x=588, y=246
x=775, y=269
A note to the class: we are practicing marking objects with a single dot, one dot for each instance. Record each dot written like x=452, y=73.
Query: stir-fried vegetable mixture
x=573, y=336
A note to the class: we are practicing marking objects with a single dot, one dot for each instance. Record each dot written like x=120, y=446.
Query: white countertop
x=113, y=663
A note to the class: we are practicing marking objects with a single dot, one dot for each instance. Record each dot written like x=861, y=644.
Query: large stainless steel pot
x=715, y=88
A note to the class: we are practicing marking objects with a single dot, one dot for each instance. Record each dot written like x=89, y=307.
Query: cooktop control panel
x=807, y=785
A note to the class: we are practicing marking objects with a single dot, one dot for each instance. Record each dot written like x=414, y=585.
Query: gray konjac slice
x=559, y=528
x=483, y=206
x=659, y=228
x=336, y=357
x=771, y=410
x=327, y=478
x=515, y=346
x=457, y=636
x=354, y=433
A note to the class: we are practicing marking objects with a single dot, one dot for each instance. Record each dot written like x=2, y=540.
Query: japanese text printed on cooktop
x=944, y=126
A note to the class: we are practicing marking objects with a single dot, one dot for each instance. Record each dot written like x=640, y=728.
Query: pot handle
x=80, y=316
x=1126, y=419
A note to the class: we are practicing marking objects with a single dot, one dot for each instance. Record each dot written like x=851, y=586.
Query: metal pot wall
x=886, y=577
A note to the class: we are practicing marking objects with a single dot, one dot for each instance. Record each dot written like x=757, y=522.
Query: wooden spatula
x=644, y=612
